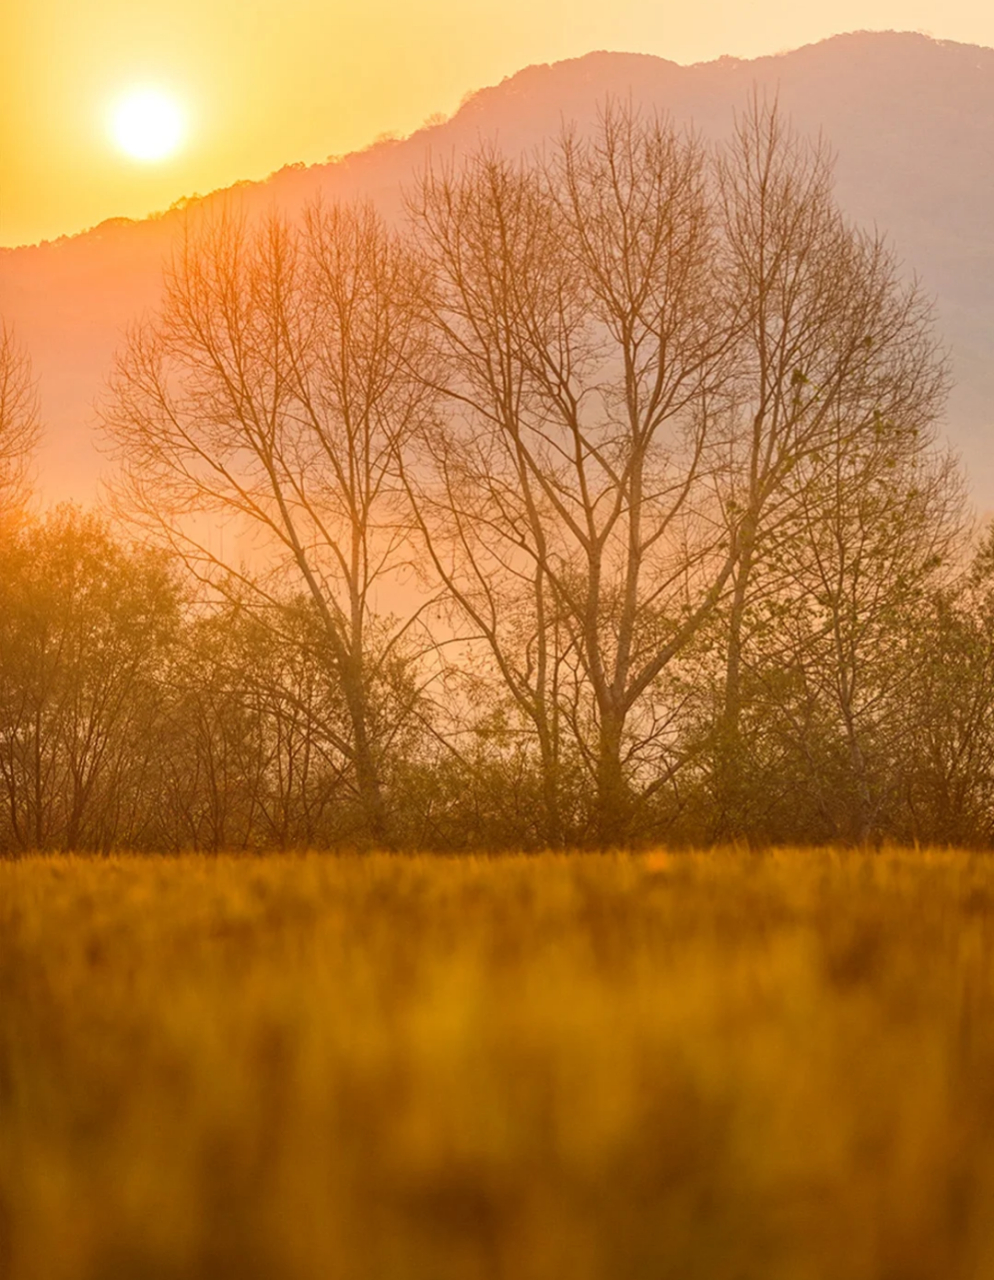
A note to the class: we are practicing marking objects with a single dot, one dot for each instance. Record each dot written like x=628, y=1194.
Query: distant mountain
x=910, y=118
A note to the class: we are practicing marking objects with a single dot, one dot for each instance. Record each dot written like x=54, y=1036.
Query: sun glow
x=147, y=124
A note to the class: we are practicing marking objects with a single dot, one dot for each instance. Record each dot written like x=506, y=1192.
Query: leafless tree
x=839, y=367
x=272, y=392
x=20, y=427
x=947, y=767
x=834, y=658
x=584, y=338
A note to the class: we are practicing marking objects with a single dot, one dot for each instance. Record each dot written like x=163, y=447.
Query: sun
x=147, y=124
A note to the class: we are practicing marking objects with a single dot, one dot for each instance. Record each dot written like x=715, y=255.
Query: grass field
x=722, y=1066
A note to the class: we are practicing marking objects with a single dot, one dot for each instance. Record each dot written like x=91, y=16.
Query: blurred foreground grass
x=716, y=1065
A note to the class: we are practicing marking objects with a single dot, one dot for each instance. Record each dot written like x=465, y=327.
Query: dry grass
x=717, y=1066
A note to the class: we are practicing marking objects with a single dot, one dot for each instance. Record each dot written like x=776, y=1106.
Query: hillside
x=911, y=120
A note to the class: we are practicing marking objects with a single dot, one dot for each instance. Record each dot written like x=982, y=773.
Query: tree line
x=602, y=503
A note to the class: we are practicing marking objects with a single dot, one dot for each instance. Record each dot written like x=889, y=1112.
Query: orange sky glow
x=263, y=83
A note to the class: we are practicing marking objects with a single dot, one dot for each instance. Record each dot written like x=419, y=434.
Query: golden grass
x=725, y=1066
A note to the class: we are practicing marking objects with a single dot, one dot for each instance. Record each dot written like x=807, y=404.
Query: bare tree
x=839, y=366
x=272, y=392
x=947, y=767
x=584, y=337
x=835, y=657
x=488, y=238
x=20, y=426
x=877, y=545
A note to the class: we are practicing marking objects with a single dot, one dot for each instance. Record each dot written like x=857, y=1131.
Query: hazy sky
x=263, y=83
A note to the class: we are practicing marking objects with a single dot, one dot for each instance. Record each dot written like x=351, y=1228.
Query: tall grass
x=721, y=1066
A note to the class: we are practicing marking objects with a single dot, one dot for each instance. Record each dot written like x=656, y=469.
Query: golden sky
x=263, y=83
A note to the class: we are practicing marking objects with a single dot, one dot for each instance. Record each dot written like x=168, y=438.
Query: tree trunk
x=729, y=815
x=364, y=760
x=614, y=801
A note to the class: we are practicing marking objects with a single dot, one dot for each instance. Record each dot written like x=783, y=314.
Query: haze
x=266, y=83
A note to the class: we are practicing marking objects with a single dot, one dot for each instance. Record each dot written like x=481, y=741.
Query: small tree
x=246, y=755
x=947, y=774
x=85, y=629
x=20, y=427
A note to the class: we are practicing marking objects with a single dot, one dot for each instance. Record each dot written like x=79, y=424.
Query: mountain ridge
x=910, y=119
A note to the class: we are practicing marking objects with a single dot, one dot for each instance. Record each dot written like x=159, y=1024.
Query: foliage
x=85, y=628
